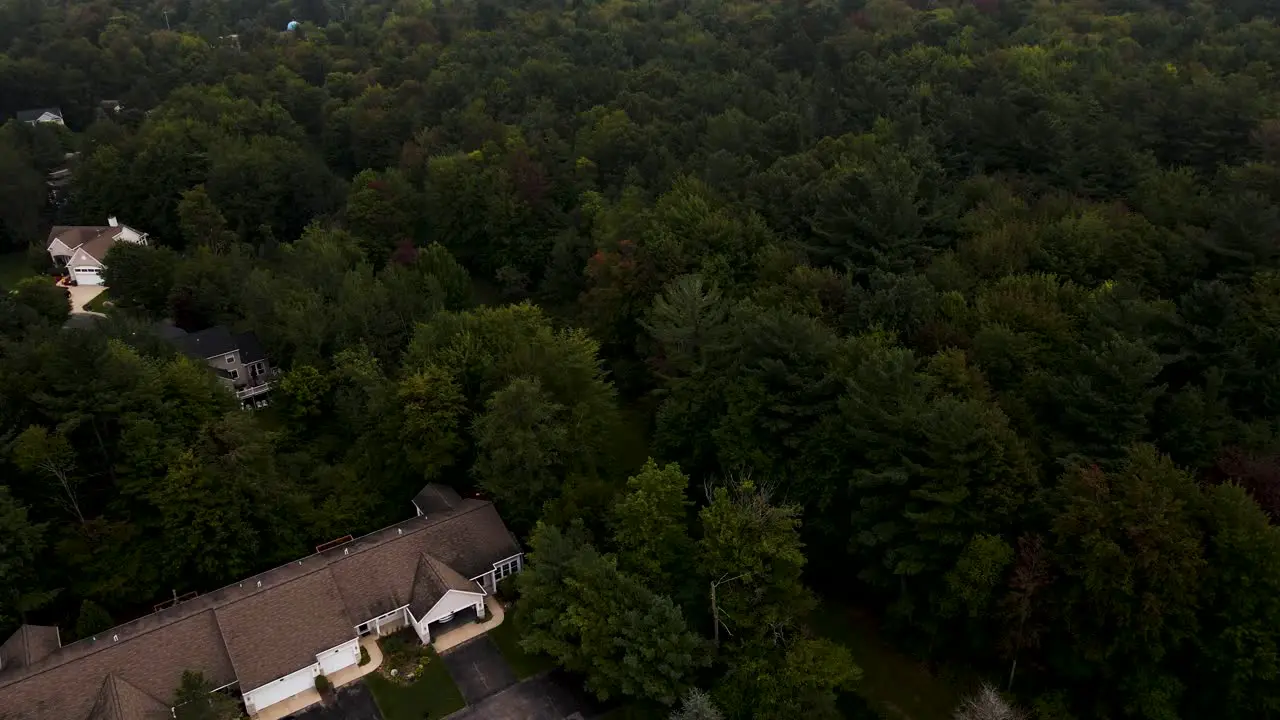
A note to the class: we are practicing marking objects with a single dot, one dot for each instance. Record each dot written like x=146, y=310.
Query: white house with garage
x=82, y=249
x=268, y=637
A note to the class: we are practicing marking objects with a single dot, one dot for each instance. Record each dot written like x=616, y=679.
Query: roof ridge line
x=431, y=565
x=26, y=644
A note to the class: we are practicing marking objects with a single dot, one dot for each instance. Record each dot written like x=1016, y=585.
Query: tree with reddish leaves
x=1257, y=472
x=382, y=210
x=1027, y=583
x=405, y=252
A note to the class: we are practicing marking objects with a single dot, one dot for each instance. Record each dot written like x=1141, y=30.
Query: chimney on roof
x=113, y=222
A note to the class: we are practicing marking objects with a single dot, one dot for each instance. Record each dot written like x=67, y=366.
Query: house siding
x=220, y=362
x=57, y=249
x=128, y=234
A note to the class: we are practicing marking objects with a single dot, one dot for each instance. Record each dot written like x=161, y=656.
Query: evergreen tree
x=92, y=620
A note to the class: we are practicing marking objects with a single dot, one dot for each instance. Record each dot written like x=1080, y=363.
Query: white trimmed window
x=501, y=570
x=231, y=359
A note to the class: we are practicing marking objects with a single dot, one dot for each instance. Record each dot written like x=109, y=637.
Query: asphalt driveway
x=478, y=669
x=350, y=702
x=82, y=294
x=550, y=696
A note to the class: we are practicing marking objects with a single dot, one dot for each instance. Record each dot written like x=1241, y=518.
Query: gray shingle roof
x=436, y=498
x=218, y=340
x=208, y=343
x=250, y=349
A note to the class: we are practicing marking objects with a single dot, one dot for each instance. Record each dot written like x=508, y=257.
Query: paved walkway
x=478, y=669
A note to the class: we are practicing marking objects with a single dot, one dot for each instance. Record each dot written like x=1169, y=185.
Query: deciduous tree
x=651, y=526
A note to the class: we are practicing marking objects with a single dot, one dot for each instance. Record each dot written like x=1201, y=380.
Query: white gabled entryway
x=454, y=601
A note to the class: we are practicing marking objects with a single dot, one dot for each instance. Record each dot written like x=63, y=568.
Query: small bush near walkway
x=404, y=657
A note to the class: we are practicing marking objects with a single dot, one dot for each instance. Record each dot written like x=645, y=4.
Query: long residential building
x=267, y=637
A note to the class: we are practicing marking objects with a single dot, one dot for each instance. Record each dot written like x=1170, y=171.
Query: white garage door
x=87, y=276
x=285, y=687
x=346, y=655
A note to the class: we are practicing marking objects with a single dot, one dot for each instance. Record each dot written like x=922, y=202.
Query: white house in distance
x=82, y=249
x=270, y=635
x=40, y=115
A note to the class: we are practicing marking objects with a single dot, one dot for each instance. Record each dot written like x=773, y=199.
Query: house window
x=231, y=359
x=504, y=569
x=362, y=629
x=235, y=374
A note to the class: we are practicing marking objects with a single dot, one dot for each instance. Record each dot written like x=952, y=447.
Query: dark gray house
x=238, y=359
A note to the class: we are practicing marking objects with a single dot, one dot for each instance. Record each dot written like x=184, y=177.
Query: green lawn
x=431, y=697
x=13, y=267
x=897, y=686
x=507, y=638
x=99, y=304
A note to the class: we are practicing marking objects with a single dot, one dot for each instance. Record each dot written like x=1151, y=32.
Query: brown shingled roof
x=28, y=644
x=101, y=244
x=377, y=576
x=271, y=634
x=74, y=236
x=431, y=580
x=119, y=700
x=151, y=661
x=266, y=626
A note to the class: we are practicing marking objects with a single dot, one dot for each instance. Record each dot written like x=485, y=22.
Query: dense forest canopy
x=967, y=313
